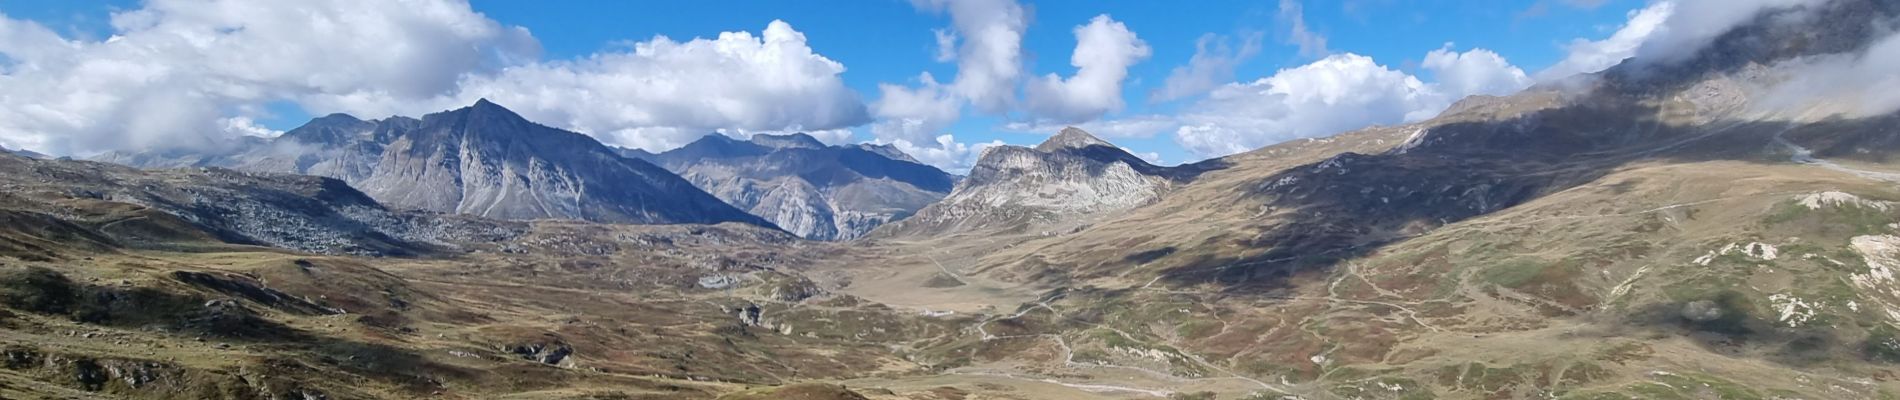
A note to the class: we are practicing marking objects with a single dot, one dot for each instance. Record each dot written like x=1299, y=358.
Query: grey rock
x=481, y=160
x=806, y=187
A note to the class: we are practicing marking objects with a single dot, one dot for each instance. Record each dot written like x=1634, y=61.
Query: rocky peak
x=333, y=129
x=1071, y=138
x=1072, y=178
x=788, y=141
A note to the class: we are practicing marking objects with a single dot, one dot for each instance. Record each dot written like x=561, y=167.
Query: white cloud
x=1213, y=64
x=1336, y=94
x=914, y=115
x=1474, y=72
x=1142, y=126
x=834, y=137
x=663, y=93
x=246, y=126
x=1664, y=32
x=946, y=45
x=1854, y=85
x=989, y=62
x=175, y=72
x=1293, y=16
x=1695, y=23
x=1586, y=56
x=173, y=68
x=1149, y=156
x=945, y=152
x=1104, y=49
x=1332, y=95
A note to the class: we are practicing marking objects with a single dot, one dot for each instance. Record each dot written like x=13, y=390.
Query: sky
x=1172, y=82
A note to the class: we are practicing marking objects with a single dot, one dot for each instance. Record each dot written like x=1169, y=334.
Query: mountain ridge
x=814, y=190
x=482, y=160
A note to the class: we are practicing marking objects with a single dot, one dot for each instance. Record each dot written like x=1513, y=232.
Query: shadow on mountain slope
x=1350, y=205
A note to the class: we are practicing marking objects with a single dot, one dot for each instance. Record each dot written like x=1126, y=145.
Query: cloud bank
x=184, y=73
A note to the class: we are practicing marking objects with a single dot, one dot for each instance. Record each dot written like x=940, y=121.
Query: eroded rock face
x=806, y=187
x=1072, y=175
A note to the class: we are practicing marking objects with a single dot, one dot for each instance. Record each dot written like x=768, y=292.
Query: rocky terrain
x=1067, y=180
x=481, y=160
x=811, y=189
x=1652, y=232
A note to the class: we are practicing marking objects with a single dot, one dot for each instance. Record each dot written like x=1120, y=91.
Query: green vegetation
x=1883, y=345
x=1843, y=221
x=39, y=290
x=1514, y=273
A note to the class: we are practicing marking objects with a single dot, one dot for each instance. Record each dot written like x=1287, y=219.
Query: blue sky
x=891, y=42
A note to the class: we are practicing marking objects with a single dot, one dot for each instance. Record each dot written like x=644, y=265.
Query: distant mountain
x=812, y=189
x=1066, y=179
x=97, y=205
x=481, y=160
x=25, y=153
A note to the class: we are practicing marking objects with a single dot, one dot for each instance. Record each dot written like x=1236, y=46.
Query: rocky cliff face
x=1068, y=178
x=480, y=160
x=804, y=186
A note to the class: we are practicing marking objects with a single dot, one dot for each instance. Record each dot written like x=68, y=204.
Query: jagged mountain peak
x=484, y=111
x=1071, y=138
x=790, y=140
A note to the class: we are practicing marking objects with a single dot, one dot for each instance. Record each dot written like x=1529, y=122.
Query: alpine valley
x=1652, y=231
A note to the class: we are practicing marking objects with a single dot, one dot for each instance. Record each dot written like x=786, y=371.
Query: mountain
x=814, y=190
x=24, y=153
x=481, y=160
x=1659, y=230
x=100, y=205
x=1068, y=179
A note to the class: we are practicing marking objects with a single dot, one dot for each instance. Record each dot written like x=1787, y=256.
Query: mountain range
x=811, y=189
x=481, y=160
x=1658, y=230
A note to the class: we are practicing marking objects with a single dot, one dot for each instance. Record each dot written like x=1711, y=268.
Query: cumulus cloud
x=1478, y=71
x=989, y=61
x=247, y=127
x=945, y=152
x=181, y=73
x=1588, y=56
x=174, y=68
x=1213, y=64
x=1332, y=95
x=1336, y=94
x=914, y=114
x=1104, y=49
x=663, y=93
